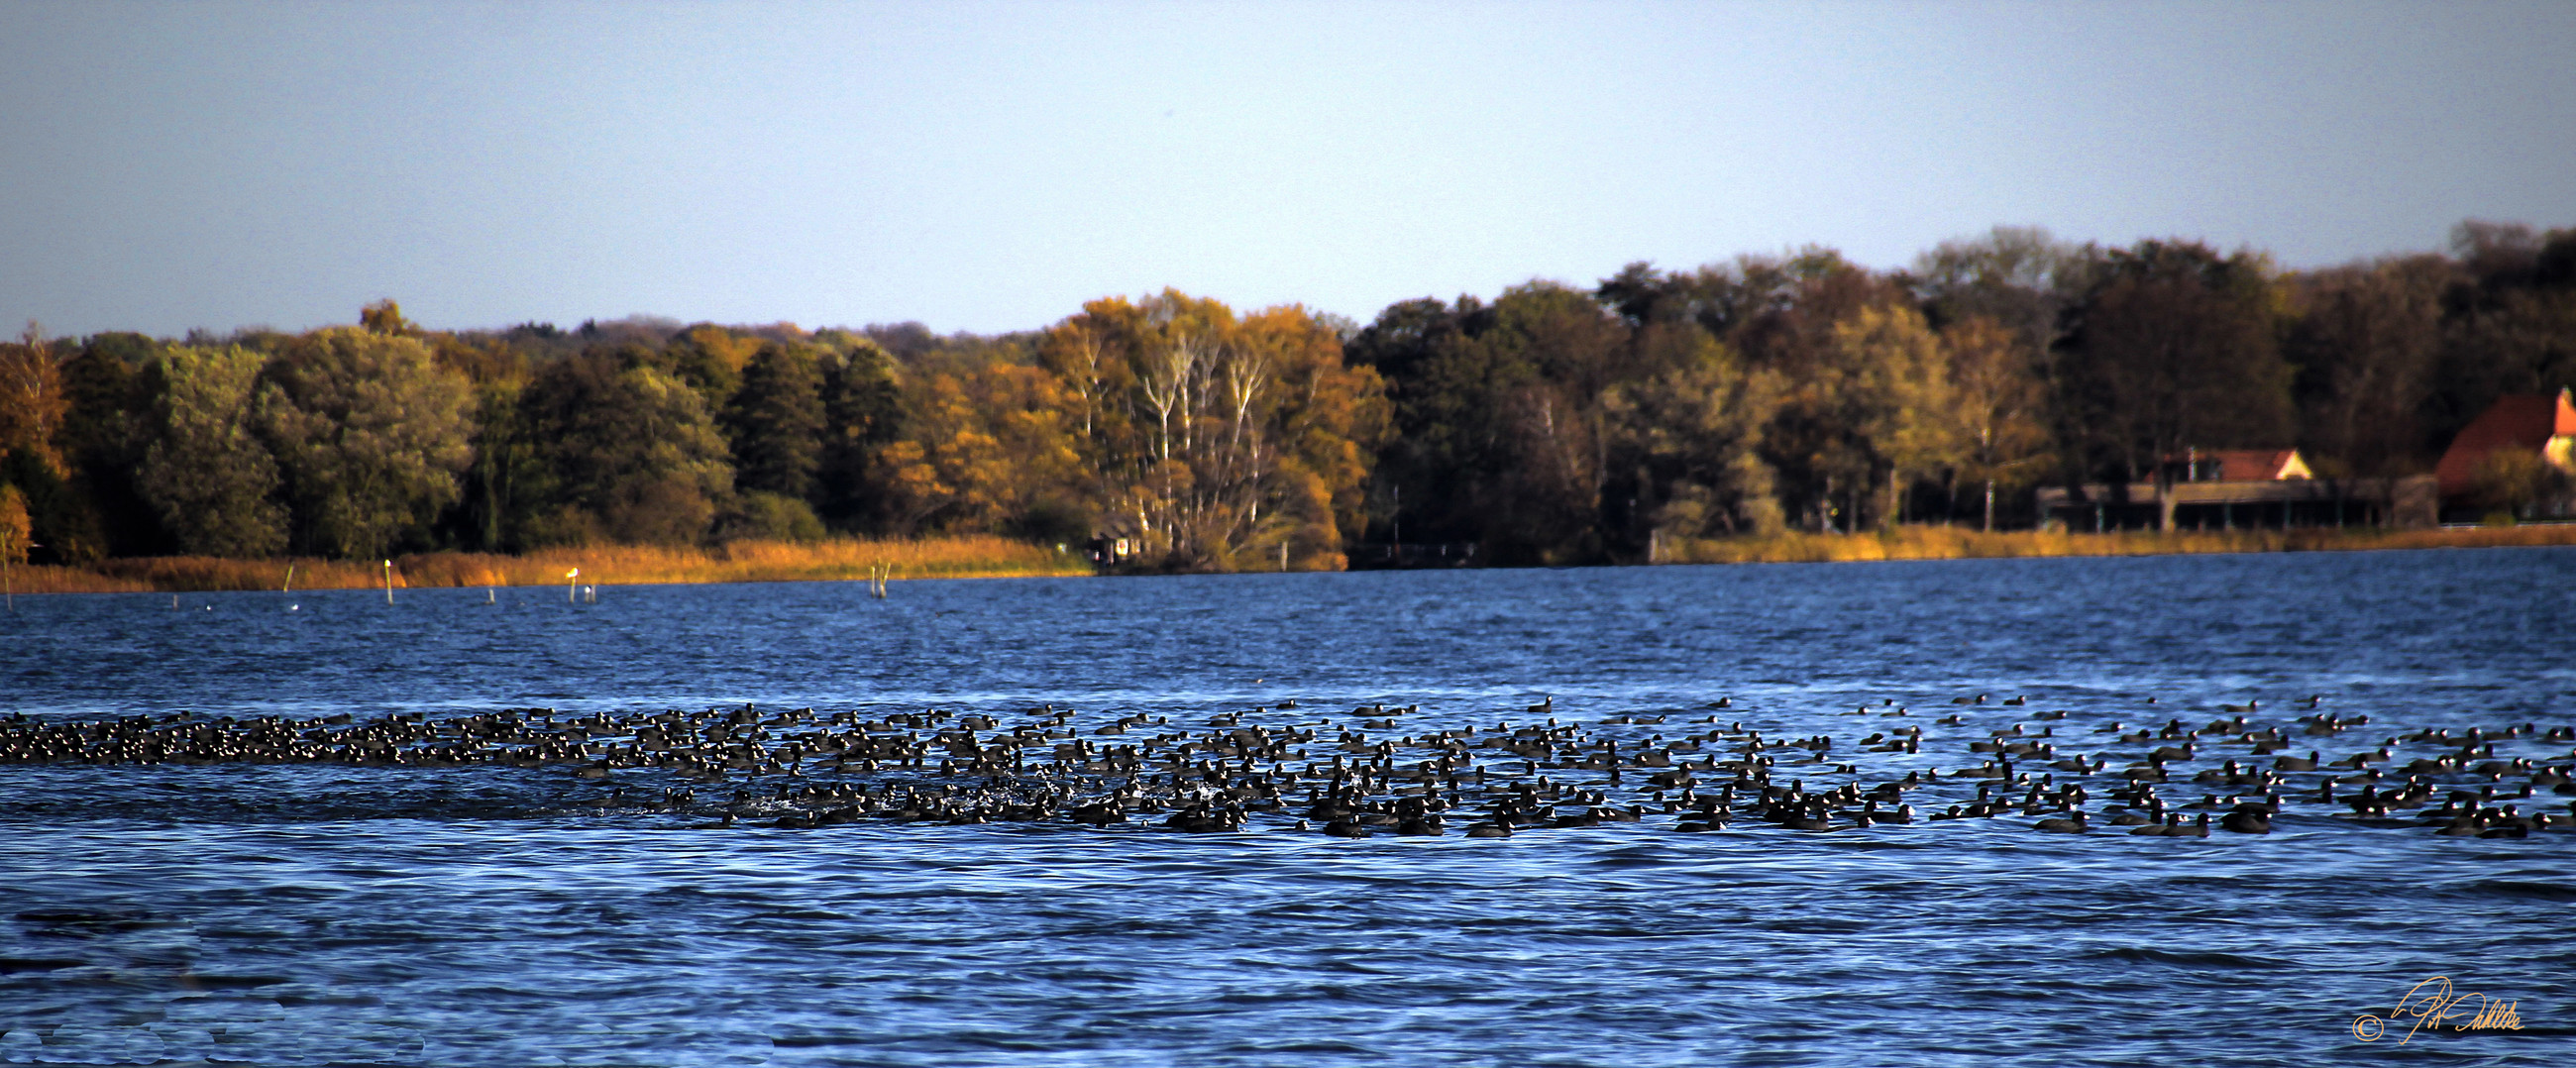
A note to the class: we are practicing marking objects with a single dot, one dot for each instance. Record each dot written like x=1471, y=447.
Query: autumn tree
x=2366, y=341
x=33, y=411
x=1692, y=435
x=710, y=358
x=386, y=317
x=498, y=366
x=1999, y=410
x=2509, y=323
x=985, y=450
x=2512, y=484
x=1898, y=397
x=15, y=528
x=104, y=433
x=370, y=434
x=862, y=412
x=1498, y=408
x=1315, y=426
x=205, y=469
x=32, y=404
x=492, y=484
x=1547, y=355
x=618, y=449
x=1434, y=441
x=1548, y=424
x=775, y=422
x=1784, y=315
x=2018, y=278
x=2175, y=347
x=1215, y=440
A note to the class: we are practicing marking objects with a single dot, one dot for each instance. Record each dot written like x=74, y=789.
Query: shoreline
x=1959, y=543
x=985, y=556
x=840, y=559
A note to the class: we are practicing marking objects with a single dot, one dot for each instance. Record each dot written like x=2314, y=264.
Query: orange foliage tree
x=985, y=450
x=32, y=403
x=1218, y=442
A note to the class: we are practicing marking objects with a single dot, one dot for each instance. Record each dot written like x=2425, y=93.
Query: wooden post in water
x=569, y=576
x=389, y=582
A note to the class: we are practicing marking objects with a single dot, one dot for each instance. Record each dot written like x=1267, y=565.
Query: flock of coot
x=1402, y=770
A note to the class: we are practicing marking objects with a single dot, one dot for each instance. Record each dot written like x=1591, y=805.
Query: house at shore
x=2229, y=489
x=2529, y=425
x=2244, y=465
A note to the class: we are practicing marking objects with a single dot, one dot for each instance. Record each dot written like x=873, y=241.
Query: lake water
x=325, y=913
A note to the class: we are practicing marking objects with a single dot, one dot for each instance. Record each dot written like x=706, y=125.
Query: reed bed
x=48, y=578
x=183, y=574
x=1959, y=543
x=981, y=556
x=985, y=556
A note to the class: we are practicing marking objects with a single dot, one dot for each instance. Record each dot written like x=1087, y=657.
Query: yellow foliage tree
x=1897, y=393
x=32, y=404
x=984, y=450
x=1999, y=402
x=1220, y=442
x=15, y=531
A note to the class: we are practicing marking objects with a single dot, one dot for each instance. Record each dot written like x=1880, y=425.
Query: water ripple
x=310, y=914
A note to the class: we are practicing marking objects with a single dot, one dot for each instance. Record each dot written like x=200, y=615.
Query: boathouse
x=2232, y=489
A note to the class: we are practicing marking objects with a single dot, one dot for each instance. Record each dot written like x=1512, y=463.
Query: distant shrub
x=771, y=517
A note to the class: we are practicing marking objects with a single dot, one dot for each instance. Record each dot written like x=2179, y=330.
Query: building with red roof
x=2227, y=489
x=2527, y=424
x=2244, y=465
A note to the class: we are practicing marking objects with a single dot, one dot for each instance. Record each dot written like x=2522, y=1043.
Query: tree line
x=1547, y=424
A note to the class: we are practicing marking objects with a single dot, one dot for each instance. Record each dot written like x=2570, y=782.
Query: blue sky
x=989, y=167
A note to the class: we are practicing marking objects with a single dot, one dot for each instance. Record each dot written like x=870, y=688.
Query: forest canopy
x=1548, y=423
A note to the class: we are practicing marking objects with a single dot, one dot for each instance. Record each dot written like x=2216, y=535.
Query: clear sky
x=988, y=167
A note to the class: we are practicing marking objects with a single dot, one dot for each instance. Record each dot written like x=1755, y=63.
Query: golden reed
x=977, y=556
x=987, y=556
x=1960, y=543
